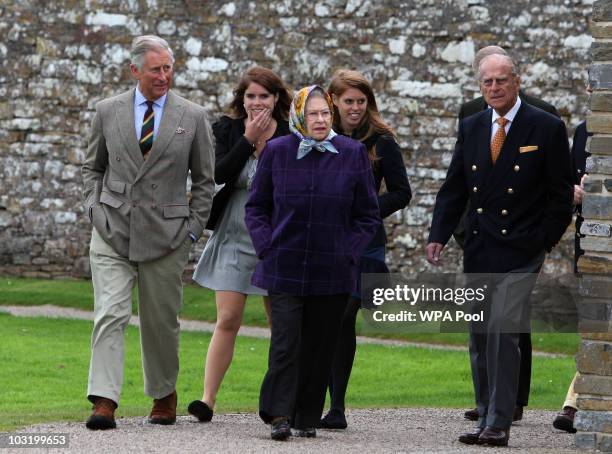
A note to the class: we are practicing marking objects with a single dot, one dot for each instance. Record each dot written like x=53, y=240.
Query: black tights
x=344, y=356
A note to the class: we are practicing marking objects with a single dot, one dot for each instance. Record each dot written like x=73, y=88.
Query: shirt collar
x=510, y=114
x=139, y=98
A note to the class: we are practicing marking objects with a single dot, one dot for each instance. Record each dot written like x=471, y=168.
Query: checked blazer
x=141, y=207
x=311, y=219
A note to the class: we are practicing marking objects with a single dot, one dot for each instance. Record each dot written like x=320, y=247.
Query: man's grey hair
x=505, y=58
x=142, y=44
x=485, y=52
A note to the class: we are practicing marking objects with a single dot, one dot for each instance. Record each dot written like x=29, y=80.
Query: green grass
x=45, y=366
x=199, y=304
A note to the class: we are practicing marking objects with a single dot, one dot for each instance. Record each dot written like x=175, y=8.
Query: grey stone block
x=593, y=421
x=600, y=76
x=595, y=229
x=597, y=207
x=601, y=51
x=592, y=186
x=585, y=440
x=600, y=144
x=604, y=442
x=599, y=164
x=602, y=10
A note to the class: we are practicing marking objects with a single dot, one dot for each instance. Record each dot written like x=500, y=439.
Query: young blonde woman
x=258, y=113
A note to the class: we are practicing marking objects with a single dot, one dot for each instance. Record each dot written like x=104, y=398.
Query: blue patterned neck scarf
x=297, y=124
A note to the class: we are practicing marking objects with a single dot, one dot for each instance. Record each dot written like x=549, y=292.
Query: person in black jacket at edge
x=356, y=115
x=467, y=109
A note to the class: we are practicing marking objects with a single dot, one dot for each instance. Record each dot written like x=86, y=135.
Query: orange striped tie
x=498, y=139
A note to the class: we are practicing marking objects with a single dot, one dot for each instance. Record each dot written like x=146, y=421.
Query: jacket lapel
x=171, y=119
x=125, y=121
x=519, y=130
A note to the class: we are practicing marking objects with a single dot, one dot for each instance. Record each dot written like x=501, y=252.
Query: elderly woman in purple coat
x=311, y=213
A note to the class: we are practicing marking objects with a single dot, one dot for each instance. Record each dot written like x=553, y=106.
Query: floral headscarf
x=297, y=123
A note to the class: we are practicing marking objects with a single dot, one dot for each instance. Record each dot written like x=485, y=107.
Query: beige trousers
x=160, y=298
x=570, y=398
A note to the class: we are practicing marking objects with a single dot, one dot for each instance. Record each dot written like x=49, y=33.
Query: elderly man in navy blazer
x=512, y=163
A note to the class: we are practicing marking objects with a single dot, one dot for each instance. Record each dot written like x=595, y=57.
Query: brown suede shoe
x=103, y=416
x=164, y=410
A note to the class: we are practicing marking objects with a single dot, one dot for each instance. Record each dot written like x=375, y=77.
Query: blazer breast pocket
x=528, y=149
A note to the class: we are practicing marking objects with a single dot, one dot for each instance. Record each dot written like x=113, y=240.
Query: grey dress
x=229, y=258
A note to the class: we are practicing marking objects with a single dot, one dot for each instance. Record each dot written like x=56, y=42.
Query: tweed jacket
x=310, y=219
x=518, y=207
x=139, y=207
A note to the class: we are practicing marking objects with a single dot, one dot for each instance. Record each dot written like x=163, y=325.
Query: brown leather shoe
x=494, y=437
x=103, y=415
x=471, y=438
x=471, y=415
x=518, y=413
x=164, y=410
x=565, y=420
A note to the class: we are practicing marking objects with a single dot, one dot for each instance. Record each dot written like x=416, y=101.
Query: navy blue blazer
x=519, y=206
x=579, y=153
x=311, y=219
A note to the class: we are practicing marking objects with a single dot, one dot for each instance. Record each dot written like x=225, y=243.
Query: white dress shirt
x=509, y=116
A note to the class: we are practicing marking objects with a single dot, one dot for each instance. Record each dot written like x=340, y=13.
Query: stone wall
x=594, y=359
x=61, y=57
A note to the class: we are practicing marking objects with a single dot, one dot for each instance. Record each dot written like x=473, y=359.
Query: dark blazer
x=389, y=167
x=579, y=153
x=311, y=219
x=579, y=156
x=519, y=206
x=479, y=104
x=232, y=151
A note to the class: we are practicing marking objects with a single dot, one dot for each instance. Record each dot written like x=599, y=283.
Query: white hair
x=143, y=44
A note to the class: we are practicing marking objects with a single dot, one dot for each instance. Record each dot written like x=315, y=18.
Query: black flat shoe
x=493, y=436
x=518, y=413
x=309, y=432
x=471, y=438
x=280, y=429
x=200, y=410
x=471, y=415
x=334, y=419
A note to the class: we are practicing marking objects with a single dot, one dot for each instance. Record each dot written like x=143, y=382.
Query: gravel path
x=409, y=430
x=51, y=311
